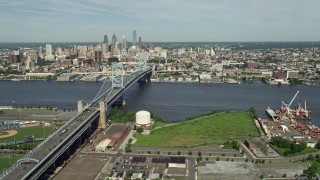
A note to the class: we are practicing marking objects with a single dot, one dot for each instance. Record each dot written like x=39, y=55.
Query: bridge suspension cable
x=102, y=87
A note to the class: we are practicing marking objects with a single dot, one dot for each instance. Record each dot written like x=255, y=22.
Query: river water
x=171, y=101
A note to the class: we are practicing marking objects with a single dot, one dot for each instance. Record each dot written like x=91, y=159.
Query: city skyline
x=180, y=21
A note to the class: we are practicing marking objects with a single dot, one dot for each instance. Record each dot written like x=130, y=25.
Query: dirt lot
x=82, y=167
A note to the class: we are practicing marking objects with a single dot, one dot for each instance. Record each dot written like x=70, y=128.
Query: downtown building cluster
x=50, y=59
x=172, y=62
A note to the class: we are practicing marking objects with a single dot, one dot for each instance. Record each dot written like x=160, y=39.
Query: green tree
x=312, y=170
x=189, y=65
x=317, y=145
x=139, y=130
x=199, y=158
x=310, y=157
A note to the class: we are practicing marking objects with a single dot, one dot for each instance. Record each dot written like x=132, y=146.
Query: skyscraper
x=48, y=49
x=134, y=41
x=140, y=43
x=124, y=42
x=114, y=38
x=105, y=39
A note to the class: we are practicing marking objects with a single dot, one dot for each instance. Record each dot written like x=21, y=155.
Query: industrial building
x=115, y=134
x=103, y=145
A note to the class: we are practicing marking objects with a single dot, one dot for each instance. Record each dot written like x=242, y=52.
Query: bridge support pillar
x=54, y=165
x=79, y=140
x=103, y=116
x=90, y=130
x=80, y=106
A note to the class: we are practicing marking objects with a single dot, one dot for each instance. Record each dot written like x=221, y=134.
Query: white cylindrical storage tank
x=143, y=118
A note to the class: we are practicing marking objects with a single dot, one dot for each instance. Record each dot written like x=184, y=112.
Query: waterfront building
x=66, y=77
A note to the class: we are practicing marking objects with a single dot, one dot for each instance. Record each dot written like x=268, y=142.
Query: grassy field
x=213, y=129
x=6, y=162
x=37, y=131
x=3, y=133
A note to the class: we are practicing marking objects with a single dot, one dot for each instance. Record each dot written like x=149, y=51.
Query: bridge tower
x=103, y=116
x=117, y=75
x=80, y=106
x=142, y=61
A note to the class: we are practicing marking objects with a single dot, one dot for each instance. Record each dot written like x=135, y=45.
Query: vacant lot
x=214, y=129
x=82, y=168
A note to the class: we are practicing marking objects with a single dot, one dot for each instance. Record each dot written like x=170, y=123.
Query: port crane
x=287, y=109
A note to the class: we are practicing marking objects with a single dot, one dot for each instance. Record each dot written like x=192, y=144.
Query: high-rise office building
x=105, y=39
x=98, y=55
x=140, y=43
x=48, y=49
x=124, y=42
x=114, y=38
x=134, y=35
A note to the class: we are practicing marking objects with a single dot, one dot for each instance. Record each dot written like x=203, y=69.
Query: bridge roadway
x=51, y=149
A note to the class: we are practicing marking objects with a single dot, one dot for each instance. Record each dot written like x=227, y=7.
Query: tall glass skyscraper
x=124, y=42
x=114, y=38
x=134, y=41
x=105, y=39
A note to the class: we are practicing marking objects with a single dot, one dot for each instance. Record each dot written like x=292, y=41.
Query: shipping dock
x=289, y=123
x=286, y=112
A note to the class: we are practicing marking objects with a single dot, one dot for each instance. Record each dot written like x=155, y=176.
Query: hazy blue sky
x=162, y=20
